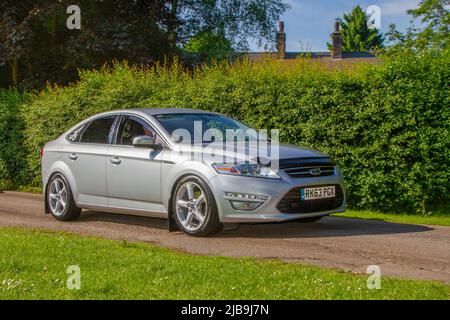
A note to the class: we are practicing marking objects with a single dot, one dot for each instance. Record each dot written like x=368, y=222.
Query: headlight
x=246, y=169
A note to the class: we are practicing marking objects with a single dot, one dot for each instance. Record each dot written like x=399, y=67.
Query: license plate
x=317, y=193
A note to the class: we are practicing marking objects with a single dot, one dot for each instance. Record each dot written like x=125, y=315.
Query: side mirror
x=144, y=142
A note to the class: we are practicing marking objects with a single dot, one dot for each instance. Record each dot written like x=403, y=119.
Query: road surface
x=401, y=250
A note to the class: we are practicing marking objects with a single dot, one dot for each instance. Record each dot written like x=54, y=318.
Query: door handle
x=115, y=160
x=73, y=156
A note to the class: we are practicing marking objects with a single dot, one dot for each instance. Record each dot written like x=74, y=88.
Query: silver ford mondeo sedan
x=176, y=164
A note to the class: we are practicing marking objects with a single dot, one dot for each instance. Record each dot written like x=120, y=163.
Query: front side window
x=132, y=127
x=97, y=131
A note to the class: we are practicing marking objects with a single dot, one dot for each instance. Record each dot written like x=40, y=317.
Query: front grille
x=291, y=202
x=308, y=167
x=310, y=172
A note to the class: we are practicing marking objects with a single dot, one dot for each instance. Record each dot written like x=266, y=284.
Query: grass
x=8, y=185
x=438, y=220
x=34, y=265
x=28, y=188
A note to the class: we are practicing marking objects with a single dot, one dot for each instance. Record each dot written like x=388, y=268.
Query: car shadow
x=326, y=227
x=139, y=221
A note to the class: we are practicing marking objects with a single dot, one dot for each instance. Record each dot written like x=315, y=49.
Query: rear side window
x=74, y=136
x=97, y=131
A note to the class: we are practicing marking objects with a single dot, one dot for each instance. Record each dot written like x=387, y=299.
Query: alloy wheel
x=191, y=206
x=57, y=196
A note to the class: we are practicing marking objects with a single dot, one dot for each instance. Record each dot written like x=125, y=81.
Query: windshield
x=208, y=127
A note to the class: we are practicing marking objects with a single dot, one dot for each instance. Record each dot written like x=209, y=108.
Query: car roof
x=157, y=111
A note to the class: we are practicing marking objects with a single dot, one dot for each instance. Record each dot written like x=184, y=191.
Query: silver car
x=139, y=162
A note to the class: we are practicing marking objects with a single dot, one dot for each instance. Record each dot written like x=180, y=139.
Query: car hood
x=238, y=151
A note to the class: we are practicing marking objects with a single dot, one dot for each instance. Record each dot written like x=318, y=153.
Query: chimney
x=281, y=41
x=336, y=38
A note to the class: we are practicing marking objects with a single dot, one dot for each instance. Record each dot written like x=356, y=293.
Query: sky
x=308, y=23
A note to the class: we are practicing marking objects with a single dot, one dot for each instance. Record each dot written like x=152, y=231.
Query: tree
x=356, y=33
x=209, y=46
x=117, y=29
x=38, y=47
x=236, y=20
x=16, y=23
x=434, y=15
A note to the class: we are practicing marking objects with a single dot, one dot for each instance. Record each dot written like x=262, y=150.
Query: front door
x=134, y=173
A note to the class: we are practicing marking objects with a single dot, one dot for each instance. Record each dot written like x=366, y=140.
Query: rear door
x=134, y=173
x=86, y=157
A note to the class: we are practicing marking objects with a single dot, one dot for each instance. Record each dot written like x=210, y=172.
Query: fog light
x=249, y=196
x=245, y=201
x=245, y=205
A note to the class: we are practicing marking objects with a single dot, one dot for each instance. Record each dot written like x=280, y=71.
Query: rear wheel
x=60, y=199
x=194, y=208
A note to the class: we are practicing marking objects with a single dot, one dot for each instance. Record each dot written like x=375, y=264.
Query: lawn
x=34, y=265
x=438, y=220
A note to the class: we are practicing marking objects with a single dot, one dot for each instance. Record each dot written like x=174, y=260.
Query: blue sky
x=311, y=21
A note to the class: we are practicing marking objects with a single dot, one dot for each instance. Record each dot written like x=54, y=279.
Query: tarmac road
x=401, y=250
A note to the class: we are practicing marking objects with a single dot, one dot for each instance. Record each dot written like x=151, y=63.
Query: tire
x=194, y=214
x=58, y=193
x=310, y=220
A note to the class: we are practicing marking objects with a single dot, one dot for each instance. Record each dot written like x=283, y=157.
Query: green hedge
x=12, y=152
x=387, y=126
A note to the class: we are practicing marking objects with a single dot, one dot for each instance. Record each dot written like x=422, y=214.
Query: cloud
x=398, y=7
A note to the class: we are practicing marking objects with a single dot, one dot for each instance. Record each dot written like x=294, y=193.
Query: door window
x=75, y=135
x=132, y=127
x=98, y=131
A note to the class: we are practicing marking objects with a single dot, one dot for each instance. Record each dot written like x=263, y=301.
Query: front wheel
x=60, y=199
x=194, y=207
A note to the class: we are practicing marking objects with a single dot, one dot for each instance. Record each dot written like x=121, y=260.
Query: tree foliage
x=434, y=15
x=36, y=46
x=210, y=46
x=356, y=34
x=237, y=20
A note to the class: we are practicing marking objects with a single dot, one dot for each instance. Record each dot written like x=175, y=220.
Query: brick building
x=334, y=58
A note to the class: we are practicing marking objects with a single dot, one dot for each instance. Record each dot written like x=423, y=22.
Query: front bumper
x=275, y=190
